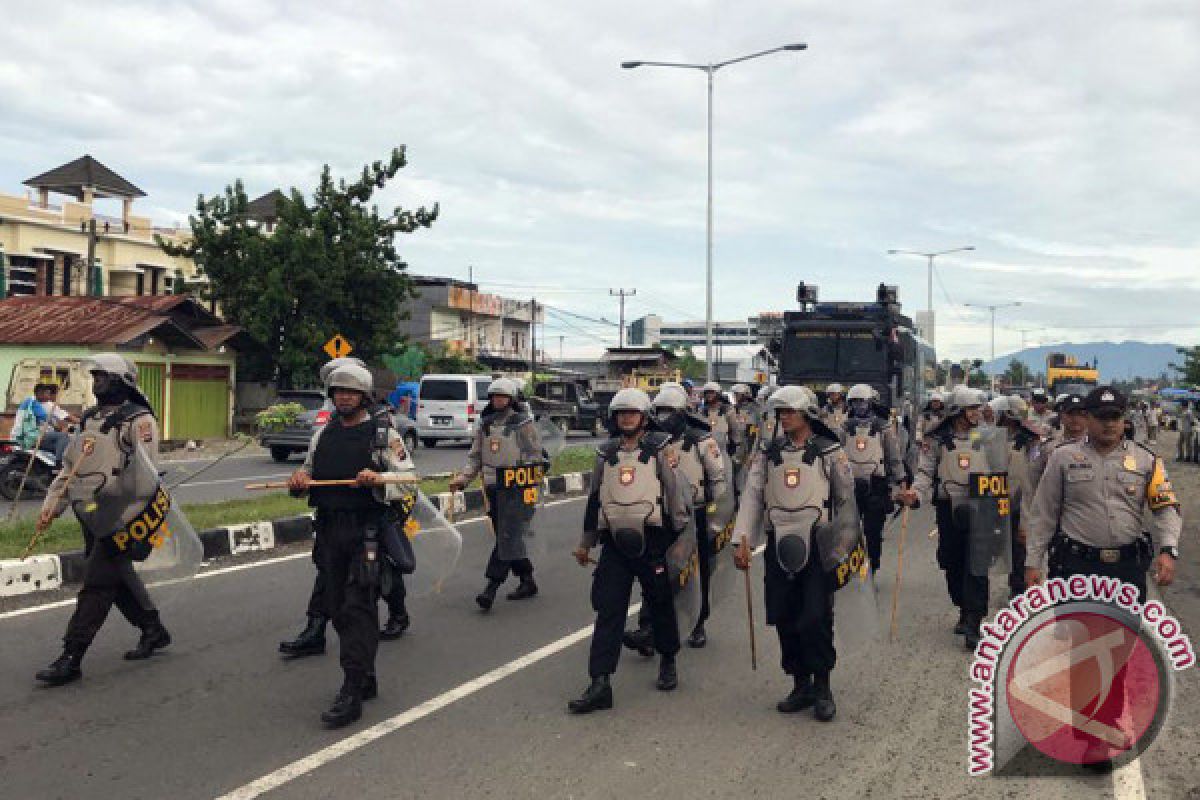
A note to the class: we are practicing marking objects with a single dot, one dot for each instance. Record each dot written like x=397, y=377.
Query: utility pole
x=471, y=315
x=560, y=350
x=533, y=342
x=622, y=293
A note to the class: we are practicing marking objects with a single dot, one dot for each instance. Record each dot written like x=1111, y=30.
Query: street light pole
x=929, y=257
x=709, y=70
x=992, y=309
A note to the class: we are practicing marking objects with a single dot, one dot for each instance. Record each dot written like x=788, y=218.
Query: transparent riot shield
x=519, y=493
x=988, y=507
x=436, y=544
x=683, y=573
x=109, y=487
x=552, y=437
x=843, y=554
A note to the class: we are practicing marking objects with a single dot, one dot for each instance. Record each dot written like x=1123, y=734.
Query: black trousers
x=498, y=569
x=108, y=578
x=801, y=610
x=1016, y=576
x=612, y=584
x=1063, y=564
x=873, y=506
x=316, y=601
x=704, y=554
x=968, y=592
x=348, y=602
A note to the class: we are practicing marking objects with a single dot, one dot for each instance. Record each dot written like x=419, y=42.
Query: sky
x=1059, y=139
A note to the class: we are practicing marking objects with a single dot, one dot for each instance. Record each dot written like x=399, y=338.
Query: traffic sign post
x=338, y=347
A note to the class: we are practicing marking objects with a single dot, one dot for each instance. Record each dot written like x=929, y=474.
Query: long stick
x=899, y=573
x=339, y=482
x=39, y=529
x=12, y=511
x=202, y=470
x=450, y=510
x=750, y=616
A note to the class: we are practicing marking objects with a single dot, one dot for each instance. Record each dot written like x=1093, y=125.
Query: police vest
x=630, y=488
x=342, y=452
x=864, y=449
x=957, y=462
x=796, y=497
x=108, y=489
x=718, y=421
x=501, y=445
x=690, y=464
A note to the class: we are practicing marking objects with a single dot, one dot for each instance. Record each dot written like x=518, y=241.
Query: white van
x=448, y=406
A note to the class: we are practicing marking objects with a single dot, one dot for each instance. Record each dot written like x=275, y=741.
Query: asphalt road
x=219, y=711
x=226, y=480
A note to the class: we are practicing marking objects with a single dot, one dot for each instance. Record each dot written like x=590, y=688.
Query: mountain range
x=1117, y=360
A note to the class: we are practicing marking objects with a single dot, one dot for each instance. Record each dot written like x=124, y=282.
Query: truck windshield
x=825, y=352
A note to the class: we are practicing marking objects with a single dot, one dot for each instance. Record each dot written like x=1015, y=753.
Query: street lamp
x=993, y=309
x=929, y=287
x=710, y=69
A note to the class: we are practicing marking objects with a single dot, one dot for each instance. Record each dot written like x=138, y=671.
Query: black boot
x=370, y=688
x=526, y=589
x=800, y=698
x=347, y=706
x=698, y=638
x=823, y=706
x=310, y=642
x=596, y=697
x=154, y=637
x=641, y=640
x=397, y=624
x=668, y=679
x=960, y=627
x=63, y=669
x=488, y=595
x=971, y=636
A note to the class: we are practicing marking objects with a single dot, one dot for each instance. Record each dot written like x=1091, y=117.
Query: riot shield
x=518, y=494
x=988, y=505
x=552, y=437
x=844, y=557
x=108, y=487
x=683, y=573
x=436, y=544
x=159, y=538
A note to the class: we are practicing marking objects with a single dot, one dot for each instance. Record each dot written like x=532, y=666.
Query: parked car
x=569, y=404
x=295, y=438
x=448, y=406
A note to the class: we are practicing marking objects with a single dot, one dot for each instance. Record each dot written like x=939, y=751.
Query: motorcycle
x=13, y=467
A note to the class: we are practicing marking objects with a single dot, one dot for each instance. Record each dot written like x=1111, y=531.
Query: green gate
x=152, y=382
x=199, y=402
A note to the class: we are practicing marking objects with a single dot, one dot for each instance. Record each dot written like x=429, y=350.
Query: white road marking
x=305, y=765
x=1128, y=781
x=266, y=562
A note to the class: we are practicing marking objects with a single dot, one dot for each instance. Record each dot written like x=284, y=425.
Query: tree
x=688, y=365
x=1017, y=373
x=1189, y=370
x=329, y=266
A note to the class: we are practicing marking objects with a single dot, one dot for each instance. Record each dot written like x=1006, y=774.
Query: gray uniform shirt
x=1101, y=500
x=751, y=514
x=677, y=504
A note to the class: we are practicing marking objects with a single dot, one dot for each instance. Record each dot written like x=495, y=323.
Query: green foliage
x=688, y=365
x=329, y=266
x=1189, y=370
x=453, y=364
x=408, y=363
x=1017, y=373
x=277, y=417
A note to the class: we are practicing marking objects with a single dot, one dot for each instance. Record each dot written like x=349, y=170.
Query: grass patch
x=64, y=534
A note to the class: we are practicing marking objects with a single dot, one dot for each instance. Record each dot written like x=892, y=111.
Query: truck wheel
x=281, y=454
x=430, y=443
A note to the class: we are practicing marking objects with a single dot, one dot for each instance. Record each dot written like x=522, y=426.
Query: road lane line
x=266, y=562
x=1129, y=783
x=363, y=738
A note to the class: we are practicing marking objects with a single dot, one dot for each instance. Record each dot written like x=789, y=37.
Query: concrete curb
x=47, y=572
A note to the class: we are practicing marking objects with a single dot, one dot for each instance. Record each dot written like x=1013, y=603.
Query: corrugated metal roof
x=86, y=320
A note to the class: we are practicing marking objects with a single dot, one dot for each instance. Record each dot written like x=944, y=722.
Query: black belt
x=1105, y=555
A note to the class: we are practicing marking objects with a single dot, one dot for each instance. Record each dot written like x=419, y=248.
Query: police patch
x=89, y=445
x=1130, y=463
x=145, y=430
x=791, y=478
x=626, y=475
x=494, y=445
x=964, y=461
x=860, y=444
x=714, y=449
x=398, y=449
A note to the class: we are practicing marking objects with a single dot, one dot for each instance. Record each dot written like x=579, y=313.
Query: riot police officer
x=800, y=483
x=746, y=412
x=876, y=460
x=311, y=640
x=722, y=418
x=97, y=463
x=932, y=414
x=834, y=413
x=1072, y=428
x=701, y=465
x=505, y=437
x=1023, y=446
x=638, y=510
x=944, y=468
x=1041, y=413
x=352, y=526
x=1092, y=500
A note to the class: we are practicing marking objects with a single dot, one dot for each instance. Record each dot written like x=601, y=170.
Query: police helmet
x=712, y=386
x=630, y=400
x=963, y=398
x=352, y=377
x=861, y=391
x=672, y=385
x=329, y=367
x=795, y=398
x=670, y=398
x=835, y=388
x=115, y=365
x=505, y=386
x=741, y=388
x=1017, y=405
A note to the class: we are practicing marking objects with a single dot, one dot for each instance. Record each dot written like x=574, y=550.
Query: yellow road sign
x=338, y=347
